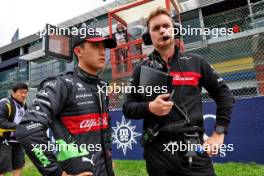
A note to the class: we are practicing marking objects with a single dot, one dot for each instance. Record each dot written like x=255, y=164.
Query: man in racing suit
x=190, y=72
x=74, y=107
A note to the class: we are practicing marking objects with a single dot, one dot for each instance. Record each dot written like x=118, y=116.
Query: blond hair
x=156, y=12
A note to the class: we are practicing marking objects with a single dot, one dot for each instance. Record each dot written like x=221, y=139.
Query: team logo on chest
x=185, y=78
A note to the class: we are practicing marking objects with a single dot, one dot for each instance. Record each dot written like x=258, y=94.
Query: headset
x=176, y=20
x=176, y=32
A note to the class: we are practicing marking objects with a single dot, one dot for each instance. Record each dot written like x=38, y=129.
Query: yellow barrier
x=234, y=65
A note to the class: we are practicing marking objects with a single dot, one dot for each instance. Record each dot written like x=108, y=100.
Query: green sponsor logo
x=67, y=151
x=41, y=157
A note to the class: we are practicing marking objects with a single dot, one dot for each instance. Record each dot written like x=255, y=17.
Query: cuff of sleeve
x=57, y=172
x=147, y=107
x=222, y=122
x=144, y=107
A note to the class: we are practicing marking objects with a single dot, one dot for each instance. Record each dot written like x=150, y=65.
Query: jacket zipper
x=102, y=134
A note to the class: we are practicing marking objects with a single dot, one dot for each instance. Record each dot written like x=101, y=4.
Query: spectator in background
x=121, y=53
x=11, y=111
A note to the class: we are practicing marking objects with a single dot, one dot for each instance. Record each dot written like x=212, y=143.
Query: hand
x=85, y=174
x=81, y=174
x=211, y=145
x=160, y=106
x=113, y=165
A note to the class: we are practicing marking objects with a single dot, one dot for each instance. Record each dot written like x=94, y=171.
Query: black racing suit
x=190, y=73
x=75, y=109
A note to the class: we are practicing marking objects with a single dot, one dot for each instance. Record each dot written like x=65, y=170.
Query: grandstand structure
x=238, y=58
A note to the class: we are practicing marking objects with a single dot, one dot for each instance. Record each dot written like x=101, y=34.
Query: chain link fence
x=238, y=59
x=239, y=16
x=240, y=19
x=239, y=62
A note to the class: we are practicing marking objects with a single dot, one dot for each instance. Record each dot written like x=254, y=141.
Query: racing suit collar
x=86, y=76
x=170, y=61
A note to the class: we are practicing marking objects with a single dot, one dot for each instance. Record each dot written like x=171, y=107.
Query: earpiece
x=147, y=39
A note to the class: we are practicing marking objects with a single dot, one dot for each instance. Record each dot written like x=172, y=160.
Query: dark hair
x=19, y=86
x=117, y=28
x=81, y=45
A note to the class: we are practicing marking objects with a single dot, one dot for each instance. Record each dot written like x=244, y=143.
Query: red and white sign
x=86, y=122
x=185, y=78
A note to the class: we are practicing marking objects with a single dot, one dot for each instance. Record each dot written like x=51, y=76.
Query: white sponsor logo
x=83, y=96
x=178, y=78
x=42, y=101
x=185, y=58
x=50, y=83
x=34, y=125
x=86, y=102
x=44, y=93
x=85, y=159
x=37, y=112
x=80, y=86
x=124, y=135
x=68, y=80
x=89, y=123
